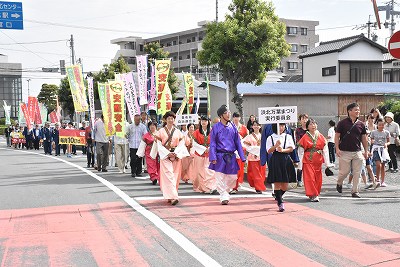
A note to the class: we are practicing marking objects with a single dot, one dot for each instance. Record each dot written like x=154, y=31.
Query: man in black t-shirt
x=350, y=135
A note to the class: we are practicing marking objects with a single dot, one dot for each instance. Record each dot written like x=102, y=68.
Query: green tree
x=155, y=51
x=392, y=105
x=65, y=97
x=108, y=73
x=246, y=45
x=48, y=95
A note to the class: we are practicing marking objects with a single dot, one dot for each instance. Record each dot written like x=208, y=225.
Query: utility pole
x=72, y=50
x=216, y=10
x=28, y=80
x=392, y=24
x=369, y=23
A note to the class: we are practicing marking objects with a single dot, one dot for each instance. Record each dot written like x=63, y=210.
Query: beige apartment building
x=184, y=45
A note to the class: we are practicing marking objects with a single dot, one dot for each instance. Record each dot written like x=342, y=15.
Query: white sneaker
x=383, y=184
x=349, y=185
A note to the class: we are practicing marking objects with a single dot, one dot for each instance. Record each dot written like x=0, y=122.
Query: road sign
x=270, y=115
x=394, y=45
x=11, y=16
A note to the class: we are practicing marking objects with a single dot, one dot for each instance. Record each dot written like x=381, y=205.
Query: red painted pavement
x=254, y=226
x=113, y=234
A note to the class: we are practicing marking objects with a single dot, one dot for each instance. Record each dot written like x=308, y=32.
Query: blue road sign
x=11, y=16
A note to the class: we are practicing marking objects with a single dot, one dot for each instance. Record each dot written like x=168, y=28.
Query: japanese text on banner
x=142, y=78
x=186, y=119
x=72, y=137
x=153, y=92
x=78, y=90
x=162, y=71
x=270, y=115
x=130, y=95
x=91, y=100
x=189, y=86
x=108, y=115
x=118, y=107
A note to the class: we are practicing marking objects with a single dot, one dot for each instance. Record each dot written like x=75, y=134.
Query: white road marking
x=177, y=237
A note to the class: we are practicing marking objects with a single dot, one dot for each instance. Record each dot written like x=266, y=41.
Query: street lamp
x=28, y=80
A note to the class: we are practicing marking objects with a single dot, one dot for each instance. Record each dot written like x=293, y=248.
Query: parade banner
x=166, y=101
x=189, y=86
x=78, y=90
x=21, y=118
x=101, y=87
x=118, y=107
x=58, y=110
x=24, y=110
x=53, y=117
x=270, y=115
x=153, y=92
x=31, y=108
x=182, y=107
x=162, y=70
x=197, y=103
x=91, y=100
x=43, y=113
x=130, y=95
x=72, y=137
x=186, y=119
x=208, y=98
x=108, y=115
x=7, y=112
x=38, y=117
x=142, y=78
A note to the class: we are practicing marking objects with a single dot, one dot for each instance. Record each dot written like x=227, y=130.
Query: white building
x=350, y=59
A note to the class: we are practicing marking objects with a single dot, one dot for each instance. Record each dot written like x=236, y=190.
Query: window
x=200, y=38
x=303, y=48
x=303, y=31
x=293, y=65
x=188, y=40
x=291, y=30
x=188, y=56
x=174, y=58
x=173, y=42
x=194, y=55
x=194, y=39
x=294, y=48
x=180, y=57
x=141, y=48
x=329, y=71
x=168, y=44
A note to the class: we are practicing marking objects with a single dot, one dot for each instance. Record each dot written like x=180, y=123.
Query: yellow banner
x=78, y=89
x=182, y=107
x=189, y=86
x=118, y=107
x=162, y=70
x=166, y=100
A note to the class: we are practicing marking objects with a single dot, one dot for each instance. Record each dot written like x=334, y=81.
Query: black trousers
x=36, y=143
x=392, y=154
x=331, y=148
x=136, y=162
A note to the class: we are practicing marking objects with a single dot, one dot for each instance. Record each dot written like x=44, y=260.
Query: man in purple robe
x=224, y=142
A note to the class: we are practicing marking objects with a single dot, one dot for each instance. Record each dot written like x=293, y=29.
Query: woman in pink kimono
x=171, y=148
x=153, y=166
x=187, y=162
x=204, y=180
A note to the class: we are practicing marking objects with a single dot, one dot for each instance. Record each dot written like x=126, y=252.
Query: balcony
x=374, y=75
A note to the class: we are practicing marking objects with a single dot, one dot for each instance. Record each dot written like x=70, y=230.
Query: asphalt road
x=56, y=212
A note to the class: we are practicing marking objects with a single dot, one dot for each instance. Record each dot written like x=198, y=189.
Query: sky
x=48, y=25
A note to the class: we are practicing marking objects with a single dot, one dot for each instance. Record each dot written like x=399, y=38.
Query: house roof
x=339, y=45
x=315, y=88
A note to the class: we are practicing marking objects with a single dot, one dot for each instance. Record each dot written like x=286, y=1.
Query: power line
x=37, y=42
x=88, y=28
x=25, y=47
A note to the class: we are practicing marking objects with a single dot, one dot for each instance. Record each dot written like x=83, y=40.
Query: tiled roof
x=316, y=88
x=340, y=44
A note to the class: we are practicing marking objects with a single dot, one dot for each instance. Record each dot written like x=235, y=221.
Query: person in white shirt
x=121, y=152
x=393, y=128
x=102, y=142
x=135, y=134
x=331, y=141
